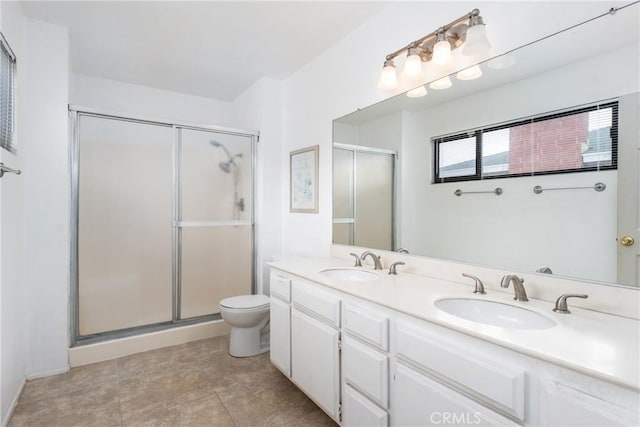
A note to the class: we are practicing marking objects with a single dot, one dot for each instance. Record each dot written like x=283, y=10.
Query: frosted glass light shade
x=443, y=83
x=477, y=42
x=413, y=65
x=417, y=92
x=442, y=52
x=388, y=78
x=470, y=73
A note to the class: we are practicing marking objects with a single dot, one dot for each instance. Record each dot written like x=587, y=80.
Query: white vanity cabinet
x=365, y=366
x=315, y=340
x=419, y=401
x=570, y=399
x=369, y=365
x=280, y=318
x=470, y=369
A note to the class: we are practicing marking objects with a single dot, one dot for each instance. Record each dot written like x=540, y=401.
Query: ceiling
x=214, y=49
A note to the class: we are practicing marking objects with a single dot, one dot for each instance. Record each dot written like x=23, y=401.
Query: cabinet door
x=280, y=333
x=359, y=411
x=564, y=406
x=314, y=360
x=420, y=401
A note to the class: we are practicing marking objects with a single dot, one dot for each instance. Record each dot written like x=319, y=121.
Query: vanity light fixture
x=477, y=42
x=442, y=49
x=413, y=64
x=388, y=78
x=468, y=31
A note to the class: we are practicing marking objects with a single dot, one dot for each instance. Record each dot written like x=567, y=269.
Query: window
x=581, y=139
x=7, y=96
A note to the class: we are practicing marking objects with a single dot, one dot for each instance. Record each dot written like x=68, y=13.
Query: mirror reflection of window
x=577, y=140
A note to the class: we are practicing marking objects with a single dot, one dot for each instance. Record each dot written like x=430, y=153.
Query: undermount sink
x=349, y=274
x=494, y=313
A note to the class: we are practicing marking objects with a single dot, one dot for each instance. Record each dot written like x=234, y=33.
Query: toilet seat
x=246, y=302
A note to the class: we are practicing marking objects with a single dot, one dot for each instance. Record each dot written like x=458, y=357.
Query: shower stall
x=162, y=223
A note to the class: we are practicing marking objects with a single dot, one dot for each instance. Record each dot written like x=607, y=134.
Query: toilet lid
x=246, y=301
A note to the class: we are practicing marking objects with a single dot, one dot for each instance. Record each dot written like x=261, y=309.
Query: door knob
x=627, y=241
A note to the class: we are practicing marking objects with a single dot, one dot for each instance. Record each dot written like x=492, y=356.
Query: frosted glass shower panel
x=216, y=176
x=374, y=200
x=124, y=224
x=343, y=175
x=216, y=264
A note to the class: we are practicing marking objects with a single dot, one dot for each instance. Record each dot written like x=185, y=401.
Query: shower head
x=226, y=166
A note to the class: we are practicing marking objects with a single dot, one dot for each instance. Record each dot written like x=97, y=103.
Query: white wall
x=343, y=79
x=110, y=95
x=13, y=333
x=261, y=107
x=46, y=174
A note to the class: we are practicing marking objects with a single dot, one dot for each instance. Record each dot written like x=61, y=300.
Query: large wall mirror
x=398, y=164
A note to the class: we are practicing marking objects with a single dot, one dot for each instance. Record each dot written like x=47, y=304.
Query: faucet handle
x=561, y=302
x=392, y=267
x=358, y=260
x=479, y=285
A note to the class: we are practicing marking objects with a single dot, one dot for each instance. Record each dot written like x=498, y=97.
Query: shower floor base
x=120, y=347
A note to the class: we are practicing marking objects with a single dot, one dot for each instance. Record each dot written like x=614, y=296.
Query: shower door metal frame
x=75, y=112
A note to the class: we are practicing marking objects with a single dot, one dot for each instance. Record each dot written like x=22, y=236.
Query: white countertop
x=597, y=344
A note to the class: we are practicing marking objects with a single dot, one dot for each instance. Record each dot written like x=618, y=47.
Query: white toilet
x=248, y=316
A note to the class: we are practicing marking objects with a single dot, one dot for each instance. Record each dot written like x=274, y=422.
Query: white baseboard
x=14, y=403
x=43, y=374
x=99, y=352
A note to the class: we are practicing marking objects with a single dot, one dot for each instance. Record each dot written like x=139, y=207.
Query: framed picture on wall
x=303, y=177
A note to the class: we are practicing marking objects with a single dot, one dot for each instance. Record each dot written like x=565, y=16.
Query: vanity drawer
x=368, y=325
x=316, y=302
x=367, y=370
x=359, y=411
x=488, y=378
x=280, y=286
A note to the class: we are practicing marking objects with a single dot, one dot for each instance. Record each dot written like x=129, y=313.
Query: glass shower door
x=215, y=219
x=124, y=224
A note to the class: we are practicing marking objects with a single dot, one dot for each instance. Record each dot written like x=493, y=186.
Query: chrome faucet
x=358, y=260
x=544, y=269
x=376, y=259
x=518, y=286
x=402, y=251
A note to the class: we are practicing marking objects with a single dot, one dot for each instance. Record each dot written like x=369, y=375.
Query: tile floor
x=194, y=384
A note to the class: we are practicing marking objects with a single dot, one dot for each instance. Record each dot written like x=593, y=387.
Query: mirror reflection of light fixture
x=437, y=46
x=443, y=83
x=388, y=78
x=471, y=73
x=417, y=92
x=501, y=62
